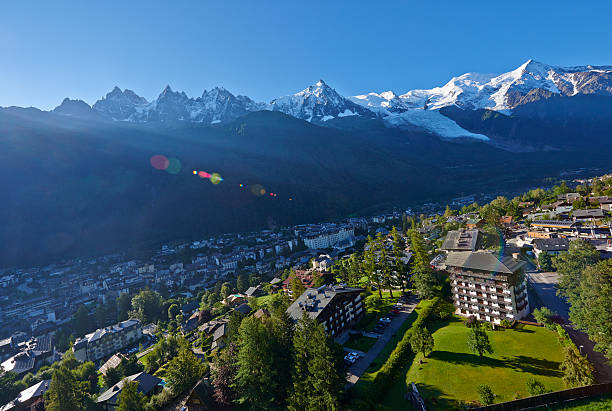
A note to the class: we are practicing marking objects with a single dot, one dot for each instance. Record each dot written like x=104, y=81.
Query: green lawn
x=263, y=300
x=451, y=373
x=360, y=343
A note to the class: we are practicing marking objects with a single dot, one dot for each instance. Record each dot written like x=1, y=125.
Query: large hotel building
x=486, y=286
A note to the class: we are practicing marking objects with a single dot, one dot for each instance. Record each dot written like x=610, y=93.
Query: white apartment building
x=488, y=287
x=329, y=237
x=106, y=341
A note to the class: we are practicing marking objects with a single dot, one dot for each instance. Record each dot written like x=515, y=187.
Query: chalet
x=550, y=245
x=254, y=291
x=191, y=323
x=111, y=363
x=588, y=214
x=220, y=337
x=29, y=399
x=200, y=397
x=336, y=307
x=243, y=309
x=147, y=384
x=474, y=223
x=569, y=197
x=33, y=354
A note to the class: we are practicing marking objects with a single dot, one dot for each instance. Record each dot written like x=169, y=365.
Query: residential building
x=488, y=287
x=108, y=340
x=29, y=399
x=336, y=307
x=461, y=240
x=147, y=384
x=588, y=214
x=327, y=238
x=552, y=246
x=33, y=354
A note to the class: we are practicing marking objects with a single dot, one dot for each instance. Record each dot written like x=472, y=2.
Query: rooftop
x=314, y=301
x=461, y=240
x=483, y=261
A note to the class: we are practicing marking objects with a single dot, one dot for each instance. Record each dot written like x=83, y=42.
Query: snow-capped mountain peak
x=318, y=102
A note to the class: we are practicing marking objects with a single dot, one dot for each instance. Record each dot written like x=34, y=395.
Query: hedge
x=402, y=352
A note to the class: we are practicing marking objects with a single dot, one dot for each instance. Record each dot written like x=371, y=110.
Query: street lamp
x=582, y=346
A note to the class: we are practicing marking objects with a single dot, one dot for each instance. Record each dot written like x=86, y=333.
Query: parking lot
x=384, y=334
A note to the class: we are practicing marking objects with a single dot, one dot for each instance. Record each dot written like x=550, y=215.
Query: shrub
x=505, y=323
x=470, y=322
x=543, y=315
x=485, y=394
x=399, y=356
x=535, y=387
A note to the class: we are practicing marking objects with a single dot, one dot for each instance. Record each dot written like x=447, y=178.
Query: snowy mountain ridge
x=319, y=103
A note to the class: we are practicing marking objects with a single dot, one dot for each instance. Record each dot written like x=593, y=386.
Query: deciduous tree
x=421, y=341
x=184, y=370
x=478, y=341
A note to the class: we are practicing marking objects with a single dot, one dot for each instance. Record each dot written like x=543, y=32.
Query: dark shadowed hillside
x=80, y=186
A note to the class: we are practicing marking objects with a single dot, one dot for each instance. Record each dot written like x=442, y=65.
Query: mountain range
x=531, y=82
x=77, y=180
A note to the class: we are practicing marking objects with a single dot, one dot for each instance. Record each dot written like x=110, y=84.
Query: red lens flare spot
x=204, y=174
x=160, y=162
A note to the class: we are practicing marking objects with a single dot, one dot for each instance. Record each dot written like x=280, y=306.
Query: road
x=544, y=285
x=361, y=365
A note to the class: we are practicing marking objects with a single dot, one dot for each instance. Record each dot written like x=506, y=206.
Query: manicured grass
x=263, y=300
x=450, y=374
x=360, y=343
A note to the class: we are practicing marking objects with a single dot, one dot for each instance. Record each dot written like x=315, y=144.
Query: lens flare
x=195, y=173
x=258, y=190
x=204, y=174
x=216, y=178
x=160, y=162
x=174, y=166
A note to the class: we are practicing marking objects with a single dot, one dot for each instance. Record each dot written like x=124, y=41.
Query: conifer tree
x=318, y=377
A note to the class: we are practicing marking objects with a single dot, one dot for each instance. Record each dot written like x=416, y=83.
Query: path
x=544, y=285
x=361, y=365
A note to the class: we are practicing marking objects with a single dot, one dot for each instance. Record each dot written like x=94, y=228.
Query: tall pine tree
x=318, y=376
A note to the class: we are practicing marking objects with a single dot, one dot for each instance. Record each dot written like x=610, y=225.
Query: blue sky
x=264, y=49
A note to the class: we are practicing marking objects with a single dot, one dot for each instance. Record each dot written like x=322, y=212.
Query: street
x=361, y=365
x=544, y=285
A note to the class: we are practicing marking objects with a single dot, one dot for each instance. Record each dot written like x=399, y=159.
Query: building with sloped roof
x=147, y=384
x=108, y=340
x=28, y=398
x=335, y=306
x=461, y=240
x=552, y=246
x=32, y=354
x=488, y=286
